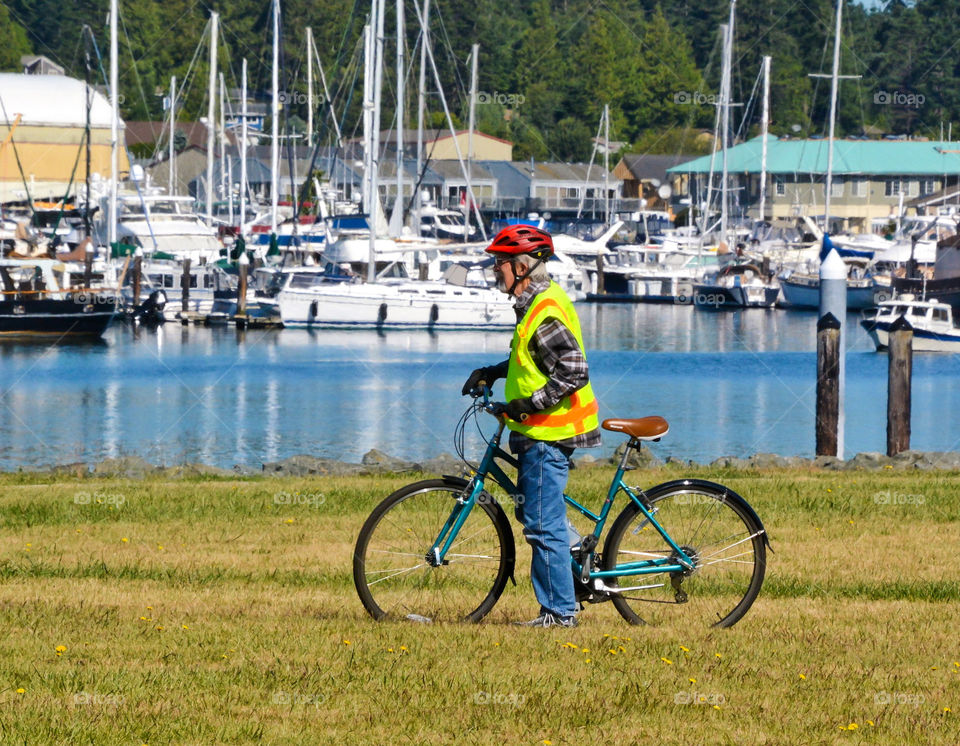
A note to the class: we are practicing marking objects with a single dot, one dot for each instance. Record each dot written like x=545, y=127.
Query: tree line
x=546, y=67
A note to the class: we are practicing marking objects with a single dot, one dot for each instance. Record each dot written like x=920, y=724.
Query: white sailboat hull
x=402, y=304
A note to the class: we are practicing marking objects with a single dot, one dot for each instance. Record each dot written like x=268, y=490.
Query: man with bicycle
x=550, y=410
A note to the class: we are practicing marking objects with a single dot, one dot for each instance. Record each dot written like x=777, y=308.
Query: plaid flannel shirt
x=558, y=356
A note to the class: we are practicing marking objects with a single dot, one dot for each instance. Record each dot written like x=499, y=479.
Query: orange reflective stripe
x=576, y=414
x=537, y=309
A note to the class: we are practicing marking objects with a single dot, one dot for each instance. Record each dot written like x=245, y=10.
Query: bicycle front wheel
x=713, y=526
x=390, y=568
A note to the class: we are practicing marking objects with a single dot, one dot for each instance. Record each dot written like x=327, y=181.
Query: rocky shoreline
x=377, y=462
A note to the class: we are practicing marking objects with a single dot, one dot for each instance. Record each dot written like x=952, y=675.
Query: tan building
x=44, y=125
x=440, y=145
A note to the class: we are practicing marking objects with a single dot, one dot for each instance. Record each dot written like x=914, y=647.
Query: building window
x=928, y=186
x=913, y=188
x=781, y=187
x=892, y=188
x=836, y=187
x=859, y=187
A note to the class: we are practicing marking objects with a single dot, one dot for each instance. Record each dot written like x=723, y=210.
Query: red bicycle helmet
x=522, y=239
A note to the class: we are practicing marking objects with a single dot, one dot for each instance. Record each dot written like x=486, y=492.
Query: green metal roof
x=854, y=157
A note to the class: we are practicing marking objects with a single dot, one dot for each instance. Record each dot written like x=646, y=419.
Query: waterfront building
x=874, y=181
x=44, y=126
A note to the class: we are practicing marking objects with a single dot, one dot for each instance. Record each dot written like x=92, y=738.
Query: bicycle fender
x=732, y=496
x=500, y=517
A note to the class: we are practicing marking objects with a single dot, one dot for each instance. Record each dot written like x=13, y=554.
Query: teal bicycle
x=443, y=550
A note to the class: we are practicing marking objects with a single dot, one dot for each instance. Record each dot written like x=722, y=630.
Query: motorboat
x=736, y=285
x=934, y=328
x=163, y=226
x=35, y=305
x=801, y=287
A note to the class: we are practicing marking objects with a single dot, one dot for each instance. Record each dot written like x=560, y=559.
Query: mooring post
x=600, y=288
x=137, y=276
x=828, y=385
x=185, y=287
x=243, y=266
x=898, y=386
x=833, y=300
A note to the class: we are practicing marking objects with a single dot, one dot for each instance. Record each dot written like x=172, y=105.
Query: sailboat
x=389, y=298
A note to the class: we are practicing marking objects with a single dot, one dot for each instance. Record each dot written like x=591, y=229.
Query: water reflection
x=729, y=383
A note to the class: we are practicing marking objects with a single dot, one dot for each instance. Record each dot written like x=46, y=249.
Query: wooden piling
x=828, y=385
x=137, y=277
x=87, y=262
x=600, y=289
x=242, y=290
x=185, y=287
x=899, y=374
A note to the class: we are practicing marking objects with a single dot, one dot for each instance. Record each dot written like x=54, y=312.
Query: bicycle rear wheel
x=714, y=526
x=390, y=569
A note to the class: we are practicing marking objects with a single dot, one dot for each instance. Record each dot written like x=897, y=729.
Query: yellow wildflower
x=21, y=690
x=667, y=661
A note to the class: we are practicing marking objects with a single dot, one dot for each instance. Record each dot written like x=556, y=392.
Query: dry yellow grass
x=229, y=616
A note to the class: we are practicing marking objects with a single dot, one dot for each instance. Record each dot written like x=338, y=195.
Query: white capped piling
x=833, y=300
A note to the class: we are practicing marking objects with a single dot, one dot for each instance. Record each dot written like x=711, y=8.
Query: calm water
x=729, y=383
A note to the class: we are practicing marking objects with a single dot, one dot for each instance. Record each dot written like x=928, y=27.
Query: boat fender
x=434, y=313
x=313, y=310
x=382, y=313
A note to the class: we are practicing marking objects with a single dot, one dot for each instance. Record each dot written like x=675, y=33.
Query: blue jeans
x=541, y=480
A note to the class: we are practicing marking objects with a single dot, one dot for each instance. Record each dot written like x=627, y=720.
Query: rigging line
x=133, y=62
x=460, y=85
x=748, y=109
x=16, y=154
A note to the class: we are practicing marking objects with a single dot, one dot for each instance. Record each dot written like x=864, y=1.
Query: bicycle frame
x=679, y=562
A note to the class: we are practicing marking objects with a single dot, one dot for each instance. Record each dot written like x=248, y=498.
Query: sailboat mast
x=606, y=163
x=764, y=129
x=401, y=94
x=114, y=128
x=88, y=101
x=310, y=87
x=474, y=53
x=725, y=132
x=211, y=113
x=834, y=83
x=173, y=133
x=421, y=104
x=275, y=120
x=243, y=146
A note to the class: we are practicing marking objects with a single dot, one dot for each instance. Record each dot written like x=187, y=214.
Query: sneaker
x=547, y=619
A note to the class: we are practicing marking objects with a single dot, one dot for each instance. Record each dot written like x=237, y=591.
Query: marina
x=734, y=384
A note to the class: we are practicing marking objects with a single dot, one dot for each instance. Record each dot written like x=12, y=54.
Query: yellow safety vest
x=572, y=415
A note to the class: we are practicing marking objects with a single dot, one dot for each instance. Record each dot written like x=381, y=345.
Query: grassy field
x=156, y=612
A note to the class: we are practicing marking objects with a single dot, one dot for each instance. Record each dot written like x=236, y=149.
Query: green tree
x=15, y=42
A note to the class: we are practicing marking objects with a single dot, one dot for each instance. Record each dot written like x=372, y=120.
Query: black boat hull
x=82, y=316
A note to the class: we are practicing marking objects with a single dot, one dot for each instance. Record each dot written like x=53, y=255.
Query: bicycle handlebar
x=484, y=391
